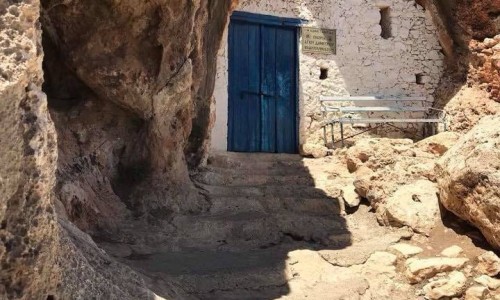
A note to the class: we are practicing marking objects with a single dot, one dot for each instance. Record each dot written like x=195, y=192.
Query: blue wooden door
x=262, y=87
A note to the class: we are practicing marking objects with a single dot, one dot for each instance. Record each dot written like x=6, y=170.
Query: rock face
x=131, y=102
x=129, y=88
x=27, y=159
x=468, y=177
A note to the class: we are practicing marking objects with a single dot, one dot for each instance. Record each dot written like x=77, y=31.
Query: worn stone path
x=276, y=229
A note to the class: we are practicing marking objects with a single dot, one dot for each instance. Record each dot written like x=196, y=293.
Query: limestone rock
x=382, y=258
x=405, y=250
x=378, y=186
x=489, y=264
x=491, y=283
x=317, y=279
x=440, y=143
x=152, y=63
x=452, y=286
x=490, y=43
x=159, y=79
x=418, y=270
x=28, y=155
x=495, y=61
x=375, y=153
x=453, y=251
x=380, y=271
x=360, y=252
x=351, y=198
x=468, y=107
x=415, y=205
x=468, y=177
x=386, y=171
x=314, y=150
x=476, y=292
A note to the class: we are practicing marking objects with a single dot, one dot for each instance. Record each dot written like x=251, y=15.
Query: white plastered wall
x=365, y=63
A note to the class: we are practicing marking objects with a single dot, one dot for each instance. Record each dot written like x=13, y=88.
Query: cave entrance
x=263, y=63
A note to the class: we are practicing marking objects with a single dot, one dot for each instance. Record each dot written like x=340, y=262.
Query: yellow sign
x=319, y=40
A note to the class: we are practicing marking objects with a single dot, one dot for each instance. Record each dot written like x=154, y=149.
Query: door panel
x=262, y=88
x=244, y=101
x=285, y=100
x=268, y=87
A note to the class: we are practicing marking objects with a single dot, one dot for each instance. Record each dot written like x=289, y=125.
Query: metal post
x=333, y=136
x=342, y=133
x=324, y=135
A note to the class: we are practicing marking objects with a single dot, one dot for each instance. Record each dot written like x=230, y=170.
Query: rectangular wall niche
x=385, y=22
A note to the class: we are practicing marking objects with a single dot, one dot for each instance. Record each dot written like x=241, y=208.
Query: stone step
x=222, y=156
x=281, y=191
x=202, y=272
x=259, y=169
x=258, y=162
x=253, y=229
x=211, y=177
x=311, y=206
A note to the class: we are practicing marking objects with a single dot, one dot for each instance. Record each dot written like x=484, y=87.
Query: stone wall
x=365, y=64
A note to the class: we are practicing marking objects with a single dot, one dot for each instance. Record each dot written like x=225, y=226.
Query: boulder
x=314, y=150
x=490, y=43
x=453, y=251
x=438, y=144
x=351, y=198
x=491, y=283
x=468, y=107
x=451, y=286
x=495, y=61
x=415, y=205
x=476, y=292
x=418, y=270
x=378, y=186
x=375, y=153
x=405, y=250
x=468, y=177
x=489, y=264
x=382, y=258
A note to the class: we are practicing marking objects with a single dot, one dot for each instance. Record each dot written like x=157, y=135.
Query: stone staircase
x=262, y=207
x=258, y=200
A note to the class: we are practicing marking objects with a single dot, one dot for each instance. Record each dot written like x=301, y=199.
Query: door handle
x=256, y=93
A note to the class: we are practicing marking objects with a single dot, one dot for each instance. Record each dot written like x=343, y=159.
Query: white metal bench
x=332, y=104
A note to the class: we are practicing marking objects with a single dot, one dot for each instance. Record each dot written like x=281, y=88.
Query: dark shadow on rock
x=463, y=228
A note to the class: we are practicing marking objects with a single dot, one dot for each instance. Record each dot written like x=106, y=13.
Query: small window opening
x=419, y=78
x=51, y=297
x=385, y=22
x=323, y=73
